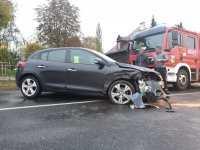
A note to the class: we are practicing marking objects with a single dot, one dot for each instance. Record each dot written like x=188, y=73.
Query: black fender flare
x=128, y=76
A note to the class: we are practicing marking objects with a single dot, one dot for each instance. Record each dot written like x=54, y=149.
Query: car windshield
x=149, y=42
x=104, y=56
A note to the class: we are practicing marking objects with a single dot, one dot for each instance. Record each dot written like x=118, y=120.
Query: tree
x=5, y=55
x=99, y=39
x=30, y=48
x=16, y=57
x=6, y=13
x=73, y=42
x=8, y=30
x=11, y=34
x=153, y=22
x=9, y=56
x=58, y=23
x=89, y=42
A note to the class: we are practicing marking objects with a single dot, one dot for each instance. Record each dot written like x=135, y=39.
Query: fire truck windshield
x=148, y=41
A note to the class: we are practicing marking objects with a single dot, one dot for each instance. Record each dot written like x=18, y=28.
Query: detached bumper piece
x=137, y=101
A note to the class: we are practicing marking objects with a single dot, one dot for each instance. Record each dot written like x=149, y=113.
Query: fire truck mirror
x=174, y=35
x=174, y=38
x=174, y=42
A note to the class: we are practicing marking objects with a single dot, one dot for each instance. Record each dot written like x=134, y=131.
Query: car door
x=52, y=68
x=83, y=74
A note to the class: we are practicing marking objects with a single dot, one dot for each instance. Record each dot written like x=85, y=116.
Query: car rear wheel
x=30, y=87
x=120, y=92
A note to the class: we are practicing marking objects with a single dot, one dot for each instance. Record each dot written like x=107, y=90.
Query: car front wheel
x=30, y=87
x=120, y=92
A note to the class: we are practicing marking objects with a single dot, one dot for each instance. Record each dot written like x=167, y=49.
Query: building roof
x=120, y=38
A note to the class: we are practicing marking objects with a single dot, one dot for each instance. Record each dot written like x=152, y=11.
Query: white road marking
x=72, y=103
x=49, y=105
x=184, y=94
x=186, y=105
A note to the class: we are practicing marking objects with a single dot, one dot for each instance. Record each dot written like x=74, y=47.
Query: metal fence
x=4, y=66
x=7, y=68
x=7, y=75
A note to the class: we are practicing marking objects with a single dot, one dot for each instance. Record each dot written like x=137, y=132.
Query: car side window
x=44, y=56
x=57, y=55
x=82, y=57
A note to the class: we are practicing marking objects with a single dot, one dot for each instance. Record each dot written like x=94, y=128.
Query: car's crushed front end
x=150, y=85
x=149, y=82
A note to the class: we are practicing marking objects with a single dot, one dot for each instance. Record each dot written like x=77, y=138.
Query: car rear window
x=44, y=56
x=35, y=56
x=58, y=55
x=54, y=55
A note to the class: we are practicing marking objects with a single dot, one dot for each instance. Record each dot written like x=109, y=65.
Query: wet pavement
x=62, y=121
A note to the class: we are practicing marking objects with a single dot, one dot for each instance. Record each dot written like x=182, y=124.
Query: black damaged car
x=84, y=70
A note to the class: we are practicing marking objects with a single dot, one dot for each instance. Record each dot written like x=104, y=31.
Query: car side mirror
x=99, y=61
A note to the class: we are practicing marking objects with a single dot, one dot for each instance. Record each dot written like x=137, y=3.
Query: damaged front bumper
x=152, y=91
x=151, y=86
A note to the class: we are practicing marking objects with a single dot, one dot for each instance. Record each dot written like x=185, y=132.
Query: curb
x=7, y=78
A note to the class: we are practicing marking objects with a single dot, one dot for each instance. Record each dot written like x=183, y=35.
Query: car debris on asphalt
x=152, y=91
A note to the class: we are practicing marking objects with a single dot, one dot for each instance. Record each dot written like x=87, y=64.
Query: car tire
x=120, y=92
x=183, y=80
x=30, y=87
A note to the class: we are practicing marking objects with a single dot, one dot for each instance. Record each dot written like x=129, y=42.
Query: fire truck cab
x=182, y=47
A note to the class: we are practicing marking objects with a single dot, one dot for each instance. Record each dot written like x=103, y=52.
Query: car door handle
x=41, y=66
x=71, y=69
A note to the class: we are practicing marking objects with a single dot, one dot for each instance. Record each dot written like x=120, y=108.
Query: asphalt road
x=61, y=121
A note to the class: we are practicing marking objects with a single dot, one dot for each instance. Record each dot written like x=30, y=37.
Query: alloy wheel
x=121, y=93
x=29, y=87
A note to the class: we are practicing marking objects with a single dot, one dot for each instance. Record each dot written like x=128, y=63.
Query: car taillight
x=22, y=64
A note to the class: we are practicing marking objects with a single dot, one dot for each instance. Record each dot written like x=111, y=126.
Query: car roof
x=74, y=48
x=61, y=48
x=66, y=48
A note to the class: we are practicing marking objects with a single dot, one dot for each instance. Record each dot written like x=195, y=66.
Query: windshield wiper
x=150, y=49
x=135, y=51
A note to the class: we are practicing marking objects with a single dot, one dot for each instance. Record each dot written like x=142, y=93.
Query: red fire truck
x=182, y=47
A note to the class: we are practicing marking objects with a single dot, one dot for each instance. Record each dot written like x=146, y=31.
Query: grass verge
x=8, y=85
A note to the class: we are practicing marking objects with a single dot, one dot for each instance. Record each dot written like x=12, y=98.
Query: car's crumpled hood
x=143, y=69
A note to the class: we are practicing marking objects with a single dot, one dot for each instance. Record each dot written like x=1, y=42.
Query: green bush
x=8, y=73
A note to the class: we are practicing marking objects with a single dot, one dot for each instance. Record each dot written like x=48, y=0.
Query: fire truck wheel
x=182, y=80
x=120, y=92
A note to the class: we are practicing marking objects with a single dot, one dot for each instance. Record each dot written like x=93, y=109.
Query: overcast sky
x=116, y=17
